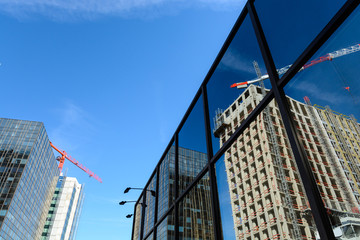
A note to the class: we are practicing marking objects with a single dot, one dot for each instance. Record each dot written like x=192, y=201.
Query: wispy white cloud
x=65, y=9
x=312, y=89
x=235, y=61
x=75, y=125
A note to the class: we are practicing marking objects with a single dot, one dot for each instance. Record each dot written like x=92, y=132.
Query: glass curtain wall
x=254, y=157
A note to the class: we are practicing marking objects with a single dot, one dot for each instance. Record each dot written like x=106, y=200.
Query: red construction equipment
x=79, y=165
x=327, y=57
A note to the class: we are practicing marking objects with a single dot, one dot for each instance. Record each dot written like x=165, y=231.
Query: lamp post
x=151, y=191
x=123, y=202
x=130, y=215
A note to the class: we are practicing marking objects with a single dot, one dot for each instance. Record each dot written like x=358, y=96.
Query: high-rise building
x=65, y=208
x=267, y=196
x=343, y=141
x=28, y=175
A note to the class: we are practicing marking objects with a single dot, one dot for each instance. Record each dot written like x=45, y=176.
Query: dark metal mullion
x=156, y=200
x=176, y=207
x=165, y=215
x=317, y=207
x=320, y=39
x=149, y=233
x=215, y=205
x=143, y=207
x=134, y=218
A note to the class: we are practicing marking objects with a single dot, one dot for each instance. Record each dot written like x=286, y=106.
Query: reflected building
x=195, y=216
x=267, y=197
x=65, y=209
x=342, y=142
x=28, y=175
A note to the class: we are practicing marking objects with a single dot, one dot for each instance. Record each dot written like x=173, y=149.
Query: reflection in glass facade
x=342, y=141
x=150, y=206
x=28, y=175
x=166, y=192
x=195, y=215
x=270, y=166
x=196, y=207
x=262, y=175
x=137, y=223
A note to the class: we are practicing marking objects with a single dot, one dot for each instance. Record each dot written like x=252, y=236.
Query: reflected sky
x=290, y=26
x=224, y=198
x=334, y=83
x=236, y=66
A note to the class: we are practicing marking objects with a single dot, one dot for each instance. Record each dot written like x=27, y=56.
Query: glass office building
x=28, y=175
x=277, y=119
x=195, y=217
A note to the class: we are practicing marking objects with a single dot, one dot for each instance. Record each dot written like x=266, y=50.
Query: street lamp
x=123, y=202
x=151, y=191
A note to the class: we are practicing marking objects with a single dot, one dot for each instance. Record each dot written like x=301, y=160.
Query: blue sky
x=111, y=83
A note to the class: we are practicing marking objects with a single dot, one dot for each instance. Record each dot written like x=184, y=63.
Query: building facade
x=267, y=195
x=65, y=209
x=194, y=216
x=343, y=138
x=283, y=169
x=28, y=175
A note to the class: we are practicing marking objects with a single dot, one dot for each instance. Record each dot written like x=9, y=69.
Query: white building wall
x=66, y=208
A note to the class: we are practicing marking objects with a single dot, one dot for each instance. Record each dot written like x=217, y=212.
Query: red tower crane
x=327, y=57
x=79, y=165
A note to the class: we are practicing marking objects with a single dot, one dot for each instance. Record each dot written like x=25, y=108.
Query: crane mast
x=328, y=57
x=64, y=156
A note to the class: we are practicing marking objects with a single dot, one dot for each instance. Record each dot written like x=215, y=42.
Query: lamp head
x=122, y=202
x=129, y=216
x=127, y=190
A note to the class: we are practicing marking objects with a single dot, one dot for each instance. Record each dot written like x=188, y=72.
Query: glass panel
x=225, y=201
x=166, y=229
x=261, y=195
x=192, y=146
x=166, y=182
x=137, y=223
x=150, y=206
x=290, y=26
x=328, y=125
x=195, y=213
x=235, y=67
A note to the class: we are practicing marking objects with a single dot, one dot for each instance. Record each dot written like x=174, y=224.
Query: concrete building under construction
x=267, y=196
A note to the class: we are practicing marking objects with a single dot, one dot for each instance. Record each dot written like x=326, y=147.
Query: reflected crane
x=327, y=57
